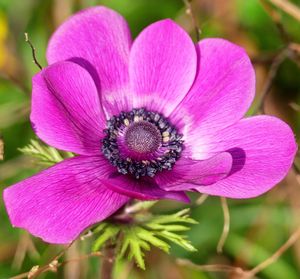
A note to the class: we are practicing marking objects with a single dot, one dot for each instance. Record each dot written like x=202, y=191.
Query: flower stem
x=108, y=261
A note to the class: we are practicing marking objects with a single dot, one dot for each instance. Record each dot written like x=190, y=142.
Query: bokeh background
x=258, y=227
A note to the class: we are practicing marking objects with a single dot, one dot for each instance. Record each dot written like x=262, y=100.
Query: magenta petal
x=66, y=111
x=60, y=202
x=99, y=39
x=162, y=67
x=263, y=149
x=222, y=92
x=187, y=174
x=142, y=189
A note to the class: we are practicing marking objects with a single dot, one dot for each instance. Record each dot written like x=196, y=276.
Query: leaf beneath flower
x=146, y=231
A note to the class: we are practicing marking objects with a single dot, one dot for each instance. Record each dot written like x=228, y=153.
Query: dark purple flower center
x=141, y=143
x=143, y=137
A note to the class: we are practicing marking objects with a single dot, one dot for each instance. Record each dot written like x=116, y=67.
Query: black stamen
x=144, y=132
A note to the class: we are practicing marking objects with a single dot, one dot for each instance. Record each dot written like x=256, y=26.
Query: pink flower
x=149, y=119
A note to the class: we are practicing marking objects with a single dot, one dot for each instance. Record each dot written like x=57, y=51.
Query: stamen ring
x=141, y=143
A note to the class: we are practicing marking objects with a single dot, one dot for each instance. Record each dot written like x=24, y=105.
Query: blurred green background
x=258, y=226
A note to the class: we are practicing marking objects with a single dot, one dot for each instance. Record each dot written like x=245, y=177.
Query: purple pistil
x=141, y=143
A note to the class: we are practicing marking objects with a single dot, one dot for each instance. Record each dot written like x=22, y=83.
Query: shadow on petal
x=90, y=68
x=238, y=159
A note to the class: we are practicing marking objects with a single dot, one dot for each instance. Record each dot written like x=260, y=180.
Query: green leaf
x=46, y=155
x=109, y=232
x=177, y=228
x=178, y=239
x=179, y=217
x=100, y=227
x=135, y=245
x=150, y=237
x=146, y=230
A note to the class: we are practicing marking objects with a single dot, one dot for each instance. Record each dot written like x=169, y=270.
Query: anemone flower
x=149, y=120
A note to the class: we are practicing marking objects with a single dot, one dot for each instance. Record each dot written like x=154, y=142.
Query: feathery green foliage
x=146, y=230
x=45, y=155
